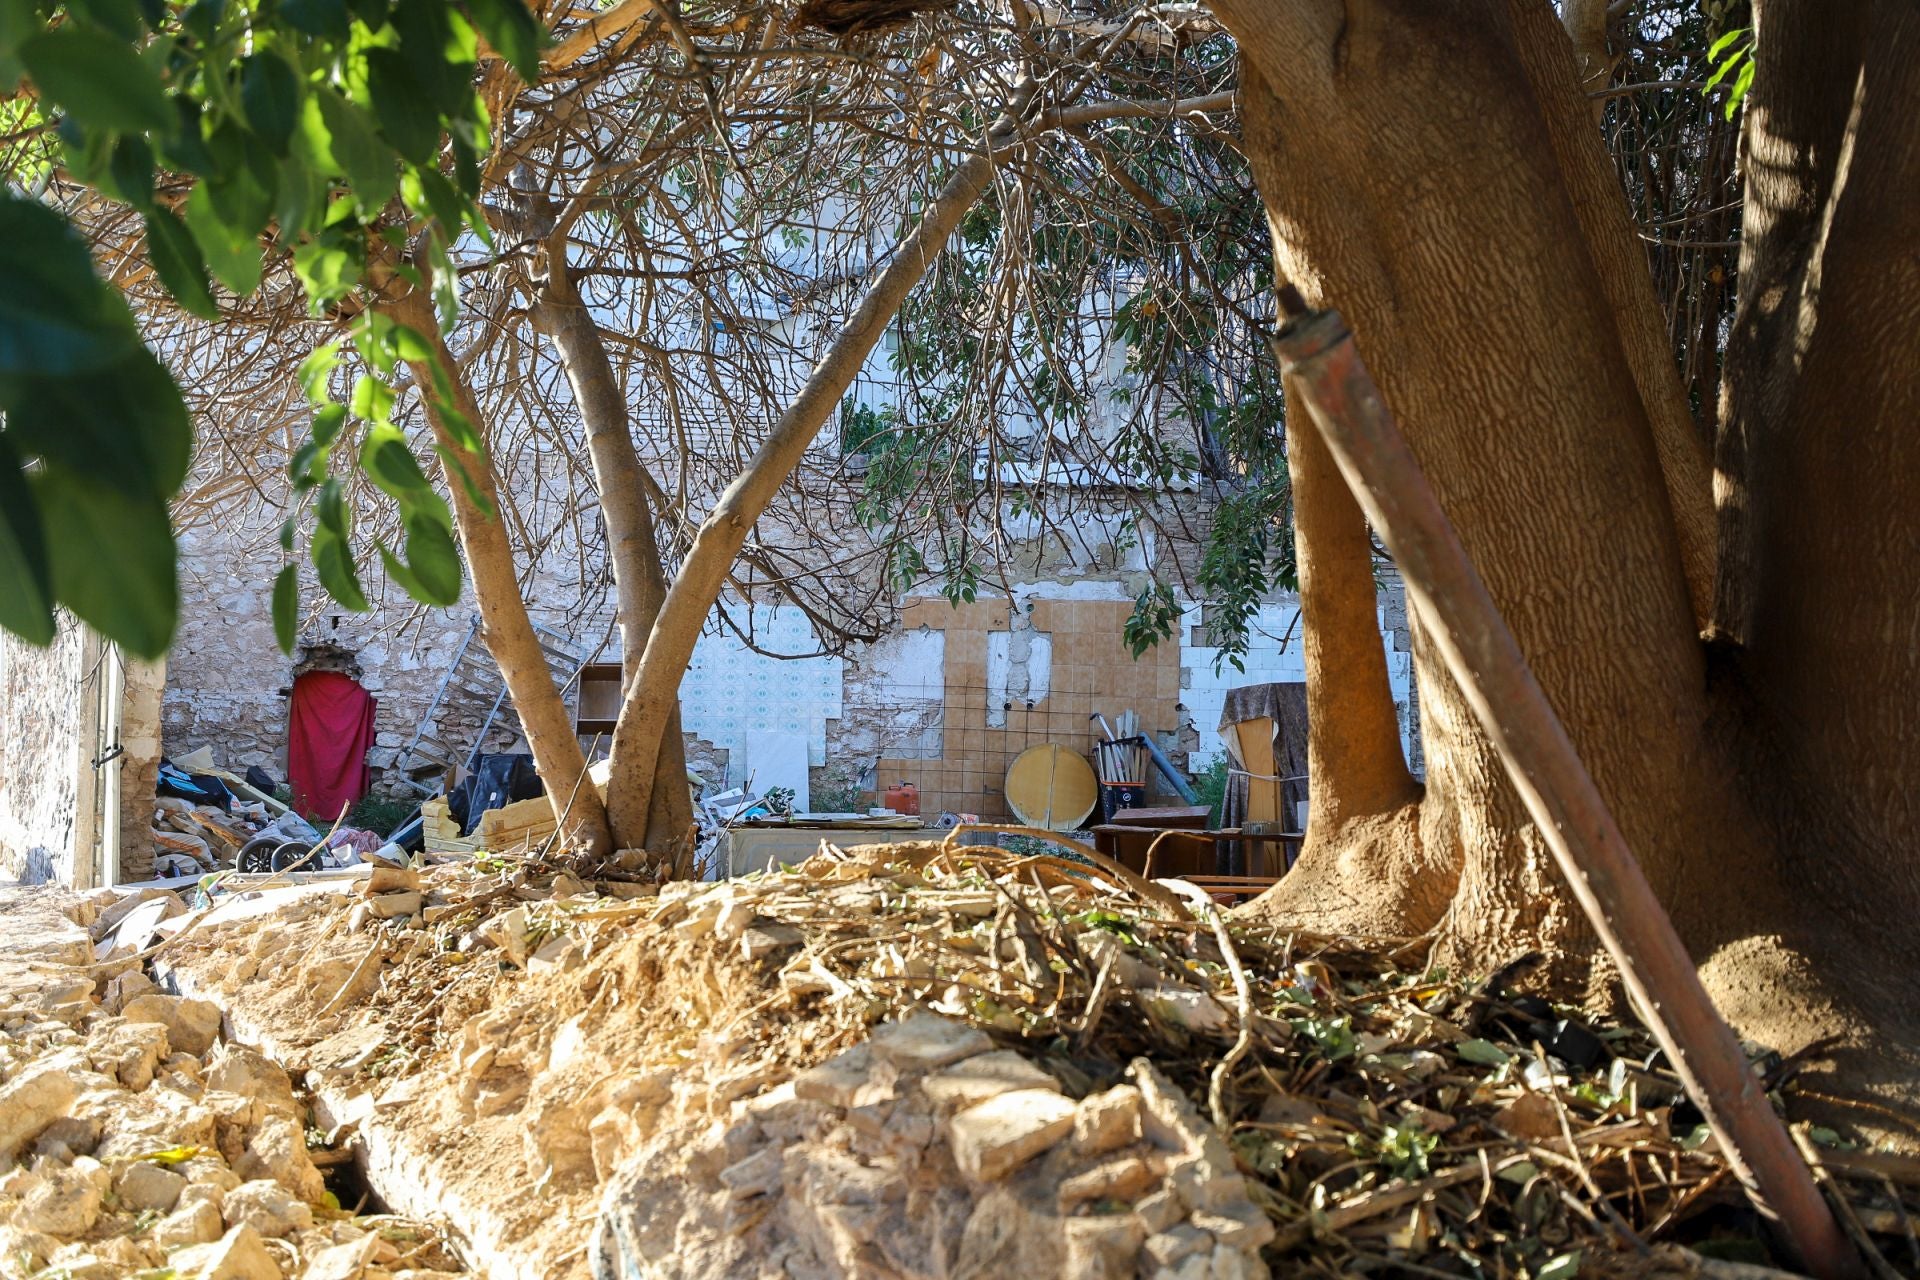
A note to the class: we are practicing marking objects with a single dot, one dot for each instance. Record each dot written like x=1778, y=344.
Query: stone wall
x=43, y=714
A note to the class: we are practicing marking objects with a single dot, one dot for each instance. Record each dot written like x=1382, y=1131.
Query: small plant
x=381, y=815
x=1211, y=787
x=1732, y=56
x=839, y=791
x=1401, y=1149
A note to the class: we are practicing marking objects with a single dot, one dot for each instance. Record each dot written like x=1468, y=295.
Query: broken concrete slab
x=997, y=1136
x=974, y=1080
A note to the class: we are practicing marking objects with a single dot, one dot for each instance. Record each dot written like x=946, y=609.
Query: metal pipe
x=1486, y=662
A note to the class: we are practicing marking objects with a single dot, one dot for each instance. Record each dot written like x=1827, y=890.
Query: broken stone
x=765, y=941
x=238, y=1070
x=30, y=1102
x=131, y=1053
x=144, y=1185
x=1107, y=1121
x=66, y=1138
x=1121, y=1179
x=840, y=1081
x=1229, y=1263
x=557, y=955
x=1177, y=1242
x=924, y=1041
x=277, y=1150
x=268, y=1208
x=126, y=987
x=385, y=879
x=989, y=1075
x=999, y=1135
x=194, y=1223
x=1160, y=1211
x=238, y=1255
x=1103, y=1247
x=341, y=1261
x=1239, y=1226
x=756, y=1175
x=192, y=1025
x=395, y=906
x=64, y=1201
x=1205, y=1183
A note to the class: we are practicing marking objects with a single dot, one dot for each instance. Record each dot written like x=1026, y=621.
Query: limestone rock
x=385, y=879
x=989, y=1075
x=1107, y=1121
x=1159, y=1211
x=66, y=1138
x=238, y=1255
x=192, y=1025
x=268, y=1208
x=30, y=1102
x=1238, y=1226
x=144, y=1185
x=1123, y=1179
x=1179, y=1242
x=277, y=1150
x=395, y=906
x=341, y=1261
x=999, y=1135
x=840, y=1081
x=195, y=1223
x=130, y=1052
x=64, y=1201
x=925, y=1041
x=126, y=987
x=1103, y=1247
x=239, y=1070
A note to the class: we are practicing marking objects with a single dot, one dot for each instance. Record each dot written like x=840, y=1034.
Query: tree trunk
x=655, y=687
x=1819, y=516
x=503, y=613
x=1475, y=293
x=1362, y=869
x=632, y=549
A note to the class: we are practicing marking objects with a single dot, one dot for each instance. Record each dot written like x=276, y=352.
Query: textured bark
x=1474, y=291
x=503, y=613
x=1821, y=388
x=1361, y=869
x=1586, y=22
x=632, y=549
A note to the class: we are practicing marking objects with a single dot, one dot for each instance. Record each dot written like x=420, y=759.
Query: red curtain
x=329, y=732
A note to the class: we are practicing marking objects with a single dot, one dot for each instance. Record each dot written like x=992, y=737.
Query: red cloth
x=329, y=732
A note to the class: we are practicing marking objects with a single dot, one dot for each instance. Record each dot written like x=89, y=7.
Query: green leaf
x=435, y=560
x=403, y=104
x=131, y=171
x=327, y=423
x=124, y=426
x=327, y=270
x=26, y=582
x=1564, y=1267
x=182, y=267
x=332, y=549
x=1740, y=87
x=56, y=316
x=184, y=147
x=98, y=80
x=315, y=371
x=286, y=608
x=112, y=557
x=120, y=18
x=327, y=19
x=511, y=28
x=234, y=257
x=1482, y=1053
x=302, y=469
x=358, y=152
x=1715, y=49
x=372, y=399
x=270, y=96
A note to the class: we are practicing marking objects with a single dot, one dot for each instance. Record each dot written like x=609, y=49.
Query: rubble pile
x=137, y=1142
x=919, y=1059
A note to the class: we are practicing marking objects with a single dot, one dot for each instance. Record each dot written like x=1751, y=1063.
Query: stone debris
x=993, y=1138
x=134, y=1141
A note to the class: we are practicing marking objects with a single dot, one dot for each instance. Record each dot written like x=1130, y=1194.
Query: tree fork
x=633, y=550
x=496, y=586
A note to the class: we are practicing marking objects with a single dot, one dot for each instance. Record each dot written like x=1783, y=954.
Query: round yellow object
x=1052, y=787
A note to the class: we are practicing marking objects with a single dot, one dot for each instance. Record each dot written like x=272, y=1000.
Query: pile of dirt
x=140, y=1143
x=696, y=1083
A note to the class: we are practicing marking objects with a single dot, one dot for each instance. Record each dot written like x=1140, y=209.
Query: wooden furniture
x=598, y=704
x=1199, y=855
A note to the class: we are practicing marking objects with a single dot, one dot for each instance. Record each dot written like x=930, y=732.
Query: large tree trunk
x=1486, y=316
x=1820, y=453
x=503, y=613
x=632, y=549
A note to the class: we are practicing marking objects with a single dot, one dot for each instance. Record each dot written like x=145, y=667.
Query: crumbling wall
x=43, y=718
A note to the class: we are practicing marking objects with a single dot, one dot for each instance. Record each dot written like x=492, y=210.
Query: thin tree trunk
x=632, y=549
x=1586, y=22
x=503, y=612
